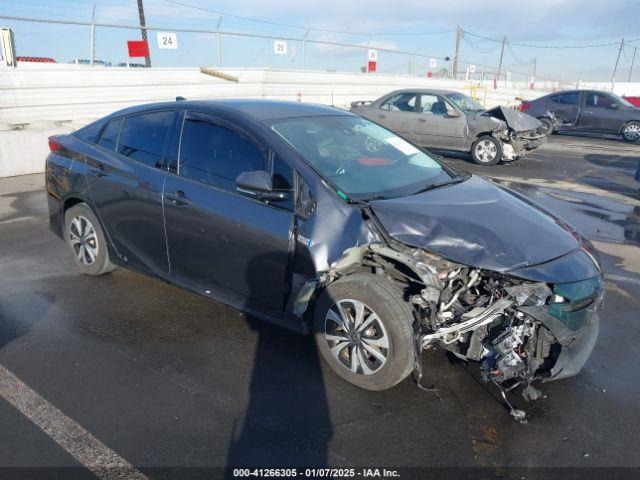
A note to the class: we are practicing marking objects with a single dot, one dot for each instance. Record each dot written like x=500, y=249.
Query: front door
x=125, y=177
x=438, y=125
x=599, y=114
x=223, y=242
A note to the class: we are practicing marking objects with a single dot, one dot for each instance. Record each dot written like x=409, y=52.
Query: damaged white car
x=447, y=120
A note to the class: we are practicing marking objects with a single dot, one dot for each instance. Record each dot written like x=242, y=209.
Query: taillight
x=525, y=106
x=54, y=146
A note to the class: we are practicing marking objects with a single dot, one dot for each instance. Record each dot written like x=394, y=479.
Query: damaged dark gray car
x=447, y=120
x=318, y=219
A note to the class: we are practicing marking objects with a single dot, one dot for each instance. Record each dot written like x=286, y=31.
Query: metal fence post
x=92, y=46
x=304, y=41
x=218, y=42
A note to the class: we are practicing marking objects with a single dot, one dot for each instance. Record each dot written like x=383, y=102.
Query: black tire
x=89, y=249
x=394, y=323
x=630, y=132
x=484, y=157
x=547, y=126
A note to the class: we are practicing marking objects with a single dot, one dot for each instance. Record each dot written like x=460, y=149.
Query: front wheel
x=364, y=330
x=86, y=240
x=547, y=126
x=486, y=150
x=631, y=132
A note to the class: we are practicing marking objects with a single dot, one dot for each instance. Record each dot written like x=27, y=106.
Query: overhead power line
x=301, y=27
x=559, y=47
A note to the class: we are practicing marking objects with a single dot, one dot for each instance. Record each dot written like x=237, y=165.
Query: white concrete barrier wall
x=45, y=99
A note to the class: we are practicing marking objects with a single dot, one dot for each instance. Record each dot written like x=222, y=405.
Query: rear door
x=599, y=115
x=566, y=107
x=397, y=113
x=126, y=178
x=438, y=124
x=222, y=241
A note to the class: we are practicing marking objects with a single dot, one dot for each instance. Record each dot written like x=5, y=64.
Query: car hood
x=518, y=121
x=476, y=223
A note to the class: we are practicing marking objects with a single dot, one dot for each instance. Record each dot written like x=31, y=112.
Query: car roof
x=435, y=91
x=257, y=109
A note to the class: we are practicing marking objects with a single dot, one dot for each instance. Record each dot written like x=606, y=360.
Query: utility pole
x=504, y=41
x=304, y=57
x=533, y=78
x=633, y=59
x=143, y=30
x=613, y=77
x=455, y=56
x=92, y=47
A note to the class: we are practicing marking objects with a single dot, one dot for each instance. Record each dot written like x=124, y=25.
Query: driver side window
x=598, y=100
x=433, y=105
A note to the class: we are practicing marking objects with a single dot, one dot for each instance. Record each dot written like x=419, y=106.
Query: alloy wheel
x=486, y=151
x=632, y=132
x=356, y=337
x=83, y=239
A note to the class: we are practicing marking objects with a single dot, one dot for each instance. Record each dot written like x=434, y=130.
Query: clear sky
x=383, y=23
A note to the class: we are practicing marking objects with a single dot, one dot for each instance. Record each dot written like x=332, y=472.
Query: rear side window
x=402, y=102
x=109, y=137
x=142, y=137
x=90, y=132
x=216, y=155
x=567, y=98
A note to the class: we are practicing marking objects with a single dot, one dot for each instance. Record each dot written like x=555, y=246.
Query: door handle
x=178, y=198
x=382, y=116
x=99, y=171
x=422, y=120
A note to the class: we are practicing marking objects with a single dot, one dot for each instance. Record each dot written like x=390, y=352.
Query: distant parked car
x=586, y=111
x=36, y=59
x=446, y=120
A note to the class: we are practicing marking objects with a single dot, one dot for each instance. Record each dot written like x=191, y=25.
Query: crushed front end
x=519, y=331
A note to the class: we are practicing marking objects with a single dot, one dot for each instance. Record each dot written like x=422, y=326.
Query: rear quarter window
x=89, y=133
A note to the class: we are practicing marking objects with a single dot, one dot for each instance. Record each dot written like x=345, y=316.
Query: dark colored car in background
x=452, y=121
x=317, y=219
x=586, y=111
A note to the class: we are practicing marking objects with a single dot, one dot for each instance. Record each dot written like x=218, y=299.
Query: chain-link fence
x=105, y=45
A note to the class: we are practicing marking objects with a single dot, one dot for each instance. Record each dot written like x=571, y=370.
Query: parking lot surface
x=164, y=379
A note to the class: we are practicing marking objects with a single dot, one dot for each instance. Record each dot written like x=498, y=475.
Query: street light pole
x=504, y=41
x=92, y=47
x=143, y=30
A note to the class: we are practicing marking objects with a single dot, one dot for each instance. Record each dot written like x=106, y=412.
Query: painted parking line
x=66, y=432
x=621, y=278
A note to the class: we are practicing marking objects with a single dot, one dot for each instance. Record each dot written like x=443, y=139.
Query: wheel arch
x=627, y=122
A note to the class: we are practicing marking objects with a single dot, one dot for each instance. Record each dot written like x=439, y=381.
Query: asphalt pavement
x=166, y=384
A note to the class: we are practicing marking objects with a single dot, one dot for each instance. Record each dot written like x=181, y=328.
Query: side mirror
x=259, y=184
x=452, y=114
x=614, y=106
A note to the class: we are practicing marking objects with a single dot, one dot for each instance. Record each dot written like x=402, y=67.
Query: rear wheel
x=631, y=132
x=547, y=126
x=486, y=150
x=86, y=240
x=364, y=330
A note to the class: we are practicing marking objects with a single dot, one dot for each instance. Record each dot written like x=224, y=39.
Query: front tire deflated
x=364, y=330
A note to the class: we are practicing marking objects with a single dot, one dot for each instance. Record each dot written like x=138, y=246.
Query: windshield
x=621, y=100
x=362, y=159
x=466, y=104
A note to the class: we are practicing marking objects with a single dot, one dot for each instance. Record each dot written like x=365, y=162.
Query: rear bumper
x=55, y=215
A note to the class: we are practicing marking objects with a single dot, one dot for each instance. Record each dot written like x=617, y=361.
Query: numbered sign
x=433, y=63
x=373, y=55
x=167, y=40
x=472, y=69
x=279, y=47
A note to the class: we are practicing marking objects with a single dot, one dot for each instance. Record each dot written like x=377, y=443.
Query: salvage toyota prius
x=320, y=220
